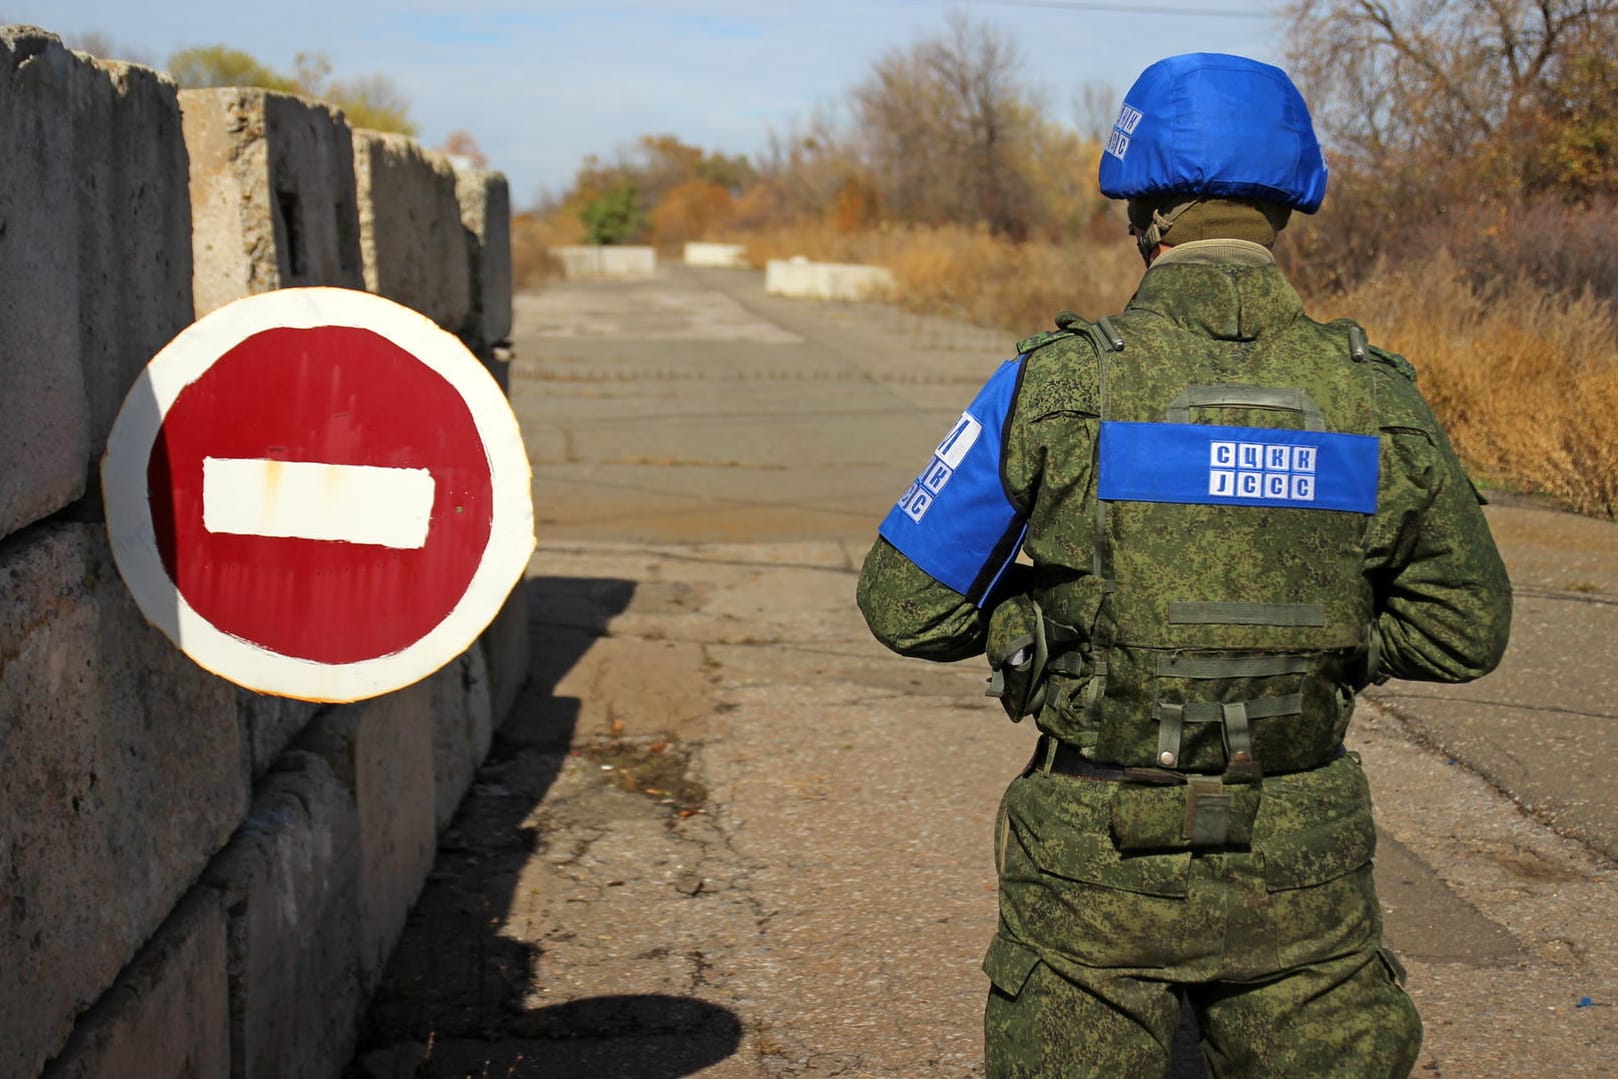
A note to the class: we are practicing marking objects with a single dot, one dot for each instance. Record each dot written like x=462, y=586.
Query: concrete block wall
x=134, y=226
x=273, y=201
x=198, y=880
x=122, y=772
x=45, y=447
x=485, y=200
x=410, y=227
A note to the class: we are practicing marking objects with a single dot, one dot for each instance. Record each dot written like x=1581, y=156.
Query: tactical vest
x=1222, y=625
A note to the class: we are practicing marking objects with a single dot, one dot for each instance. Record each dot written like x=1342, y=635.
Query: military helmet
x=1214, y=126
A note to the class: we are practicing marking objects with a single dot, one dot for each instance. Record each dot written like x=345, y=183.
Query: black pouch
x=1017, y=651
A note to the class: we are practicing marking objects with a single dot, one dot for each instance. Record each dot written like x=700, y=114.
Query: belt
x=1068, y=761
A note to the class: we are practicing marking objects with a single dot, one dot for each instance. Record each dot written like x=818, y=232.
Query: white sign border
x=129, y=517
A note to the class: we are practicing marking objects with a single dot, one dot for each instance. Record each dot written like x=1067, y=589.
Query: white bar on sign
x=387, y=507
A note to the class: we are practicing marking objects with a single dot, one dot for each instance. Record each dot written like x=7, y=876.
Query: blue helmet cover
x=1216, y=126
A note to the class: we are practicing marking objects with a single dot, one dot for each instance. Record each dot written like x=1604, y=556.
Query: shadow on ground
x=453, y=999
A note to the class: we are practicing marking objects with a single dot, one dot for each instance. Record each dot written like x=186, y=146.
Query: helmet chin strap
x=1148, y=238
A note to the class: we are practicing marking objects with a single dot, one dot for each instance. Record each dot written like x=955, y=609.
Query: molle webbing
x=1283, y=398
x=1288, y=704
x=1184, y=666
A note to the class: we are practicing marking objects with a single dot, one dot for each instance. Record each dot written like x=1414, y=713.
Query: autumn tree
x=694, y=209
x=660, y=186
x=804, y=171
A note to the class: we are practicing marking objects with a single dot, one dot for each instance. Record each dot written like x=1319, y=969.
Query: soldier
x=1234, y=518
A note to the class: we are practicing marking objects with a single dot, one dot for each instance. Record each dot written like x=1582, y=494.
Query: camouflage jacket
x=1440, y=594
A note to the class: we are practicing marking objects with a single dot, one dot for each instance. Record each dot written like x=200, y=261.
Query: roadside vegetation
x=1472, y=222
x=371, y=101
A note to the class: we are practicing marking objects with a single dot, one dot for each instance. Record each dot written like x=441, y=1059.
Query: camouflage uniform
x=1109, y=906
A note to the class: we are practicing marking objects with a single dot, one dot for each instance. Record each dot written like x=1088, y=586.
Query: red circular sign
x=318, y=493
x=332, y=395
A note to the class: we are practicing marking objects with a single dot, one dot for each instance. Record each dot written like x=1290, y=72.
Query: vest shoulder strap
x=1360, y=350
x=1100, y=333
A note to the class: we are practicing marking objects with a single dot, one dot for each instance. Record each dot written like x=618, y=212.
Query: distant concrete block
x=168, y=1015
x=44, y=414
x=134, y=221
x=410, y=227
x=272, y=194
x=607, y=261
x=463, y=729
x=382, y=751
x=722, y=256
x=122, y=771
x=486, y=223
x=507, y=646
x=826, y=280
x=290, y=882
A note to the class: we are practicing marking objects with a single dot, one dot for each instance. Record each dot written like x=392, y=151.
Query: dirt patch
x=657, y=769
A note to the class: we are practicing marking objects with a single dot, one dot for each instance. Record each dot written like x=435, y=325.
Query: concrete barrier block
x=826, y=280
x=44, y=414
x=122, y=771
x=496, y=359
x=290, y=884
x=506, y=645
x=168, y=1015
x=134, y=227
x=463, y=729
x=485, y=200
x=721, y=256
x=411, y=243
x=606, y=261
x=382, y=751
x=272, y=194
x=270, y=724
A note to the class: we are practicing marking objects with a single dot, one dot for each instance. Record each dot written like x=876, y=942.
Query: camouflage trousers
x=1276, y=945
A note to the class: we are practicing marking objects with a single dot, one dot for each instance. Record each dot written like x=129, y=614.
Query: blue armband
x=956, y=521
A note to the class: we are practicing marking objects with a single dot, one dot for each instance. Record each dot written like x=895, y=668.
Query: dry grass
x=532, y=237
x=1523, y=377
x=1525, y=380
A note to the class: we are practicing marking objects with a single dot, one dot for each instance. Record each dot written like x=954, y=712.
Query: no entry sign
x=318, y=493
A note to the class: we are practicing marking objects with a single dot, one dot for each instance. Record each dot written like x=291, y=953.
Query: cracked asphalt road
x=726, y=835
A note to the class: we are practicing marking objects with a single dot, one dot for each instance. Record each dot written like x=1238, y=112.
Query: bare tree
x=946, y=126
x=1095, y=107
x=1471, y=88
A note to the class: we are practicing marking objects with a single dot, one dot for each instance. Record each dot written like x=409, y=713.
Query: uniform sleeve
x=1443, y=597
x=913, y=614
x=945, y=552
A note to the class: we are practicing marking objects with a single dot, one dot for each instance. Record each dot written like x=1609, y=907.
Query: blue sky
x=542, y=84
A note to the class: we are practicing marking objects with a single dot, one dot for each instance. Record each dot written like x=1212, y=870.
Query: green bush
x=614, y=216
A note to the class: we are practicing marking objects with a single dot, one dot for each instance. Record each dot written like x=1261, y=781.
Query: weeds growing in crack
x=656, y=769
